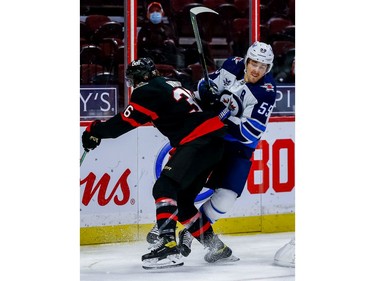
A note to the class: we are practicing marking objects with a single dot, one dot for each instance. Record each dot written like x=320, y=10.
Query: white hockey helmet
x=260, y=52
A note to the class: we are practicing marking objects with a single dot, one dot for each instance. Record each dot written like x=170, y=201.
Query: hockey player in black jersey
x=197, y=139
x=246, y=86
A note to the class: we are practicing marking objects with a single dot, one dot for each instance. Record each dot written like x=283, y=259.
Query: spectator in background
x=288, y=75
x=158, y=40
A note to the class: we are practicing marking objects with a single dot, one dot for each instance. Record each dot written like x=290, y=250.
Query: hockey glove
x=208, y=92
x=89, y=141
x=232, y=102
x=232, y=105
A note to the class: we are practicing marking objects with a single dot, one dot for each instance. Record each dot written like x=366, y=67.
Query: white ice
x=122, y=261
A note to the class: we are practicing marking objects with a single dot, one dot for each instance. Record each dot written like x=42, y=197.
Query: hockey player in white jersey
x=249, y=87
x=246, y=88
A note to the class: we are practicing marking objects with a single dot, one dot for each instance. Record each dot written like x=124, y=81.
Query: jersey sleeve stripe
x=206, y=127
x=251, y=129
x=145, y=111
x=257, y=124
x=247, y=134
x=241, y=133
x=235, y=131
x=131, y=121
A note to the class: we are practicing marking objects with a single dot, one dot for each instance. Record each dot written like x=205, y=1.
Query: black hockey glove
x=208, y=92
x=89, y=141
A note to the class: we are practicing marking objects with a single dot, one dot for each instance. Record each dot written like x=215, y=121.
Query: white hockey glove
x=233, y=105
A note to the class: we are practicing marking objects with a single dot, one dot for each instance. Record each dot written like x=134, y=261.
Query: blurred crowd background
x=165, y=34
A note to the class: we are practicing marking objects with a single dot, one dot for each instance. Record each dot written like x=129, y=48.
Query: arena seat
x=88, y=71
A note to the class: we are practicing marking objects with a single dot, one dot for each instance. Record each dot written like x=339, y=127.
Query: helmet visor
x=129, y=81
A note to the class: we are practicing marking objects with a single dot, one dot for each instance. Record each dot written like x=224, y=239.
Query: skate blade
x=283, y=264
x=168, y=262
x=231, y=258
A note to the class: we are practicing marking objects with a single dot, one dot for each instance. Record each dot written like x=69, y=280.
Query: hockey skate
x=184, y=242
x=218, y=251
x=153, y=235
x=164, y=254
x=285, y=256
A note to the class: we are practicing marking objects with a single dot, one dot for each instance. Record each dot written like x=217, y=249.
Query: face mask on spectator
x=155, y=17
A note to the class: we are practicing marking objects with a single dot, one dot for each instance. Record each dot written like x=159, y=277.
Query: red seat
x=93, y=22
x=91, y=54
x=104, y=78
x=119, y=57
x=110, y=29
x=291, y=10
x=213, y=4
x=183, y=21
x=178, y=5
x=242, y=6
x=121, y=73
x=277, y=24
x=264, y=33
x=166, y=70
x=240, y=36
x=88, y=72
x=228, y=12
x=265, y=14
x=84, y=31
x=239, y=27
x=83, y=42
x=289, y=32
x=109, y=46
x=196, y=72
x=239, y=24
x=282, y=47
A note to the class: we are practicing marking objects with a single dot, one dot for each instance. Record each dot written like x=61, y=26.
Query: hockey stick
x=83, y=157
x=193, y=13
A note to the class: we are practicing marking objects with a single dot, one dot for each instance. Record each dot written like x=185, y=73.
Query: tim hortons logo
x=101, y=187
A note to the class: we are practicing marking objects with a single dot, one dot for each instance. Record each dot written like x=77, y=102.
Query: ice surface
x=122, y=261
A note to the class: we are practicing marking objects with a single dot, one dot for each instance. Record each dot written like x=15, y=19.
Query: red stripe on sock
x=166, y=216
x=191, y=220
x=201, y=230
x=165, y=199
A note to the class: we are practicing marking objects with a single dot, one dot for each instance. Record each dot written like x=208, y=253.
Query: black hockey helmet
x=140, y=70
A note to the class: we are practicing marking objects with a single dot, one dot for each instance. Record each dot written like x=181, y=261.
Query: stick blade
x=199, y=10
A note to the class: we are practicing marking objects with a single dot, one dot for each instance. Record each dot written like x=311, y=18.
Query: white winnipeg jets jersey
x=258, y=101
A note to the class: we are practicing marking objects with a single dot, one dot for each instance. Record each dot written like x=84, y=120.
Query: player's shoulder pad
x=173, y=82
x=267, y=83
x=268, y=79
x=234, y=65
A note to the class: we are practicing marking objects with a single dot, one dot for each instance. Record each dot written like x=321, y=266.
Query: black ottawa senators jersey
x=170, y=107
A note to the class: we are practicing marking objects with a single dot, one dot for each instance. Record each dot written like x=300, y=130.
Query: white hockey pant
x=219, y=203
